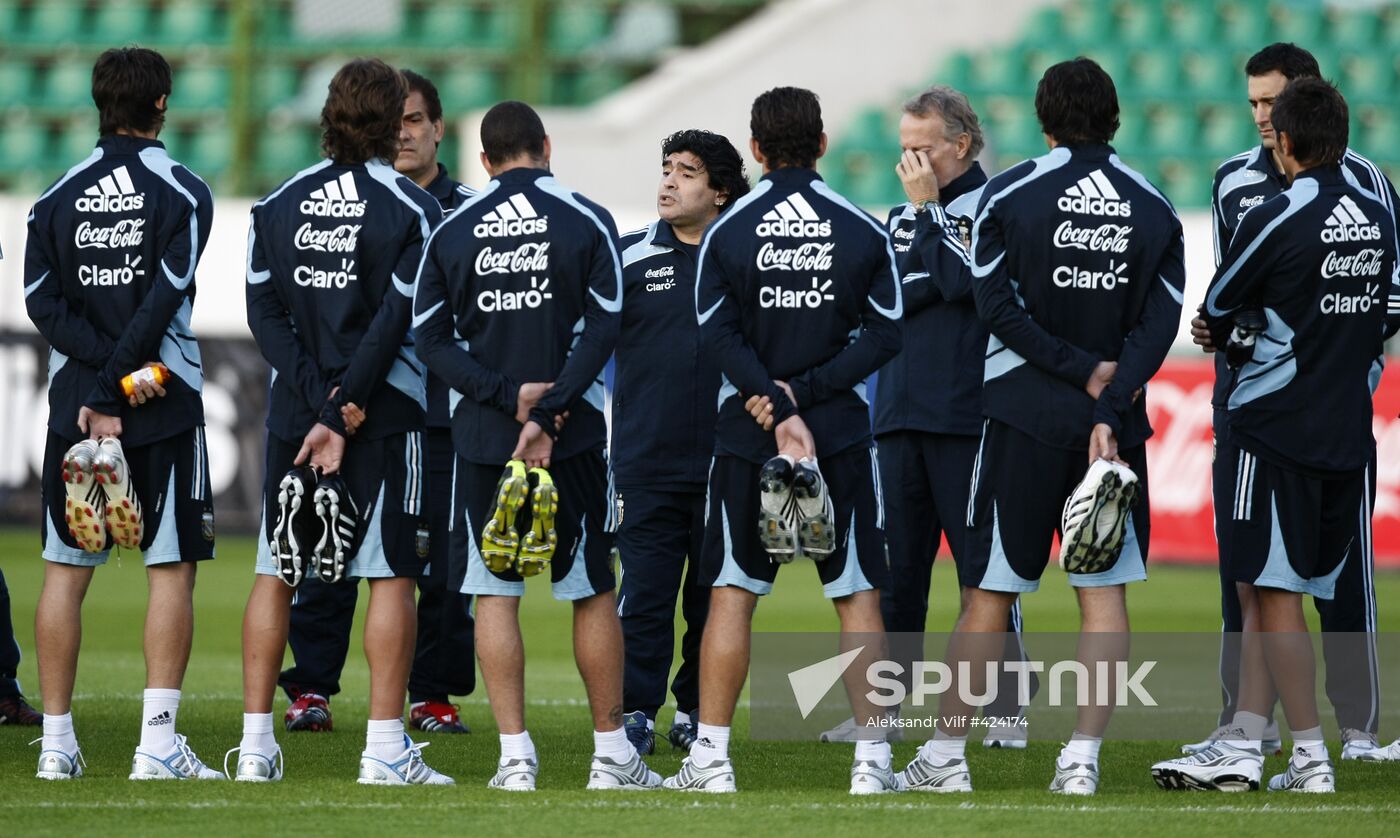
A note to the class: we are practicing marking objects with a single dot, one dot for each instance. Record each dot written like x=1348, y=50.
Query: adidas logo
x=113, y=193
x=793, y=216
x=336, y=198
x=163, y=719
x=1348, y=223
x=514, y=217
x=1094, y=195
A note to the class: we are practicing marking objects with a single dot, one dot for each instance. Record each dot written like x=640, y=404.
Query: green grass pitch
x=786, y=788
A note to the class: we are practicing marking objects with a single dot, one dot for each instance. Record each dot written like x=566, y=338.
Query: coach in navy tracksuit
x=663, y=432
x=1242, y=183
x=798, y=302
x=928, y=401
x=1077, y=271
x=322, y=614
x=1319, y=260
x=332, y=254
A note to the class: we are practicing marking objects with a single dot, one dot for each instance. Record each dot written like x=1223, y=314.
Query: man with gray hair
x=928, y=400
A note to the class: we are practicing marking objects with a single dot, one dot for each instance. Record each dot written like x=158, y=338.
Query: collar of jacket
x=962, y=184
x=1264, y=162
x=127, y=144
x=793, y=177
x=1088, y=151
x=521, y=174
x=442, y=186
x=1324, y=175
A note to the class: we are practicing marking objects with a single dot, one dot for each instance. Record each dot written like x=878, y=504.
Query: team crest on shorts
x=965, y=231
x=206, y=526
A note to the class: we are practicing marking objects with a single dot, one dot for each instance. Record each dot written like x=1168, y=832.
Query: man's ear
x=548, y=150
x=821, y=149
x=964, y=145
x=439, y=131
x=486, y=164
x=757, y=152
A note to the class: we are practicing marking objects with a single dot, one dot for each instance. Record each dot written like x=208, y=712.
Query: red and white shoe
x=123, y=511
x=86, y=501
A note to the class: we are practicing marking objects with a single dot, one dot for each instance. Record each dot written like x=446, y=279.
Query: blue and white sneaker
x=923, y=774
x=181, y=764
x=713, y=778
x=777, y=509
x=1309, y=776
x=58, y=765
x=1221, y=767
x=255, y=767
x=682, y=735
x=639, y=732
x=340, y=527
x=1075, y=778
x=1362, y=746
x=408, y=769
x=297, y=530
x=606, y=774
x=1095, y=518
x=1272, y=744
x=515, y=775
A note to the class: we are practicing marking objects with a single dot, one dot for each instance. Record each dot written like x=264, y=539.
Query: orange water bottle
x=153, y=374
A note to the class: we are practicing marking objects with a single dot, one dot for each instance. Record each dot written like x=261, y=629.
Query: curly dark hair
x=1314, y=115
x=1287, y=58
x=1077, y=103
x=363, y=112
x=721, y=160
x=787, y=122
x=126, y=84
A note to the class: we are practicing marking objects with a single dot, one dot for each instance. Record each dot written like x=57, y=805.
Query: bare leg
x=391, y=629
x=169, y=624
x=724, y=653
x=501, y=652
x=265, y=623
x=598, y=650
x=58, y=632
x=1103, y=637
x=1256, y=685
x=976, y=640
x=861, y=625
x=1289, y=653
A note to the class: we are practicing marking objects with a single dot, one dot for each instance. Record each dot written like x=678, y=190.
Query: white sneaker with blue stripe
x=408, y=769
x=255, y=767
x=181, y=764
x=58, y=765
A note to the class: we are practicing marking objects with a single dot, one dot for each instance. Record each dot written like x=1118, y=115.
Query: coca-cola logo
x=812, y=256
x=1105, y=238
x=124, y=233
x=532, y=257
x=341, y=239
x=1365, y=262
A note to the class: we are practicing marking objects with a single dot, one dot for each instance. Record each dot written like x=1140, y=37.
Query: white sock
x=943, y=747
x=613, y=744
x=257, y=734
x=1310, y=743
x=58, y=733
x=518, y=746
x=158, y=709
x=871, y=750
x=682, y=718
x=1082, y=748
x=1253, y=726
x=385, y=739
x=711, y=744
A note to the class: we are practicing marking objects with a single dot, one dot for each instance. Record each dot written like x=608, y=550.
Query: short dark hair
x=1314, y=115
x=126, y=84
x=425, y=88
x=787, y=122
x=363, y=113
x=511, y=129
x=1287, y=58
x=721, y=160
x=1077, y=103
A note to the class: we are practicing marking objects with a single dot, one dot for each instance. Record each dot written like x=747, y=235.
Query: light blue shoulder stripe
x=1137, y=178
x=157, y=161
x=255, y=277
x=896, y=311
x=758, y=191
x=645, y=248
x=69, y=175
x=1298, y=196
x=389, y=177
x=307, y=172
x=455, y=217
x=1043, y=165
x=550, y=186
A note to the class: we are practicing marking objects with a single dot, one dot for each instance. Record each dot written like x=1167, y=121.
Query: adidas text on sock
x=158, y=710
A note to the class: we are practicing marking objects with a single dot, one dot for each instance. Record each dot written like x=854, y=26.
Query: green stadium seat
x=121, y=21
x=1171, y=129
x=76, y=140
x=465, y=87
x=1355, y=28
x=576, y=26
x=201, y=86
x=1300, y=23
x=874, y=132
x=1245, y=24
x=1226, y=131
x=439, y=23
x=496, y=26
x=68, y=85
x=1086, y=23
x=284, y=150
x=1192, y=23
x=1213, y=74
x=1012, y=128
x=209, y=150
x=54, y=22
x=1368, y=75
x=1380, y=133
x=1045, y=27
x=956, y=71
x=1186, y=182
x=274, y=85
x=23, y=145
x=193, y=22
x=1141, y=24
x=1156, y=74
x=1000, y=71
x=17, y=80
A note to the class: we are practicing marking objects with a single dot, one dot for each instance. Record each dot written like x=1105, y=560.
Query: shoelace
x=416, y=767
x=77, y=754
x=193, y=765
